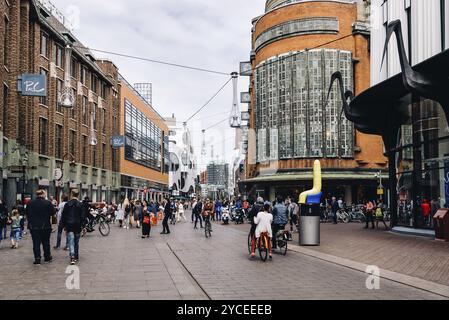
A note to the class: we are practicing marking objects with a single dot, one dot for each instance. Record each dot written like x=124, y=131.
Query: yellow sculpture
x=313, y=196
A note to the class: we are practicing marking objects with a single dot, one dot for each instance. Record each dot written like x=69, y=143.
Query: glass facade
x=292, y=118
x=143, y=139
x=422, y=163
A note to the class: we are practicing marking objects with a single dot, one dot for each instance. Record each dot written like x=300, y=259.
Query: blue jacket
x=280, y=214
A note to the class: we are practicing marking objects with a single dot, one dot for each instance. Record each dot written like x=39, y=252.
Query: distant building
x=218, y=175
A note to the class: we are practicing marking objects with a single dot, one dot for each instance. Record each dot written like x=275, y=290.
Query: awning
x=307, y=176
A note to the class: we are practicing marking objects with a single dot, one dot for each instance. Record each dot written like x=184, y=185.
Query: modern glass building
x=409, y=96
x=297, y=46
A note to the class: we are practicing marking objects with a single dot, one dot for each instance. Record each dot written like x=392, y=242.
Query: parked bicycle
x=99, y=220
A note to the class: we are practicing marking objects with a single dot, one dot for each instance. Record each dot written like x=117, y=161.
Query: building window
x=43, y=100
x=44, y=44
x=73, y=68
x=59, y=87
x=73, y=110
x=43, y=136
x=103, y=90
x=5, y=107
x=83, y=74
x=103, y=158
x=85, y=148
x=6, y=43
x=103, y=121
x=58, y=56
x=94, y=115
x=143, y=139
x=94, y=156
x=72, y=138
x=58, y=141
x=94, y=83
x=84, y=111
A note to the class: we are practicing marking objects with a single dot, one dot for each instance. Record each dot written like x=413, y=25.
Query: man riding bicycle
x=208, y=210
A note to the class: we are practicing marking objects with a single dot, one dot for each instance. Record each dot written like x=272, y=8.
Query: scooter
x=239, y=216
x=226, y=217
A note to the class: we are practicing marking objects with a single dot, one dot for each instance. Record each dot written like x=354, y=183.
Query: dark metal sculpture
x=427, y=86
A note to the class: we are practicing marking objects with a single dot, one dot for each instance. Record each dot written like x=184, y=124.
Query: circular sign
x=58, y=174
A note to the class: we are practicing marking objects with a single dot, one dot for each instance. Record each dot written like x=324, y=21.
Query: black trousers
x=275, y=228
x=166, y=229
x=198, y=218
x=41, y=237
x=369, y=218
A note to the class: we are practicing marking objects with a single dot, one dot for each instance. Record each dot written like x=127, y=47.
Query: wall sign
x=32, y=85
x=245, y=97
x=118, y=141
x=246, y=68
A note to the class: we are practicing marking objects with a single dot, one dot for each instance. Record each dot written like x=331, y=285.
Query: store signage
x=118, y=142
x=246, y=69
x=58, y=174
x=32, y=85
x=245, y=116
x=245, y=97
x=380, y=191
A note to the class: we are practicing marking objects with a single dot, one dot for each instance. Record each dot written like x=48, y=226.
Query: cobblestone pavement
x=184, y=265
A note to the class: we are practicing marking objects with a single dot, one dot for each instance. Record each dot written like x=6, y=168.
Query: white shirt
x=263, y=221
x=181, y=208
x=60, y=209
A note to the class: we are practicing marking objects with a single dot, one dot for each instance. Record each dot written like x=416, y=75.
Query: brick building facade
x=297, y=45
x=37, y=135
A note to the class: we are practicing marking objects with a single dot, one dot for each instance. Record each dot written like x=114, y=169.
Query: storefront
x=415, y=131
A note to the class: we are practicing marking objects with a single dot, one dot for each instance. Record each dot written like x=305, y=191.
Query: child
x=16, y=220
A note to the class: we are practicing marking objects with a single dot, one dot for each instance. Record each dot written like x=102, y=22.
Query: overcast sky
x=209, y=34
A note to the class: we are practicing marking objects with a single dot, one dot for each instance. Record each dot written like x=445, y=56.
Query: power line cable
x=155, y=61
x=209, y=101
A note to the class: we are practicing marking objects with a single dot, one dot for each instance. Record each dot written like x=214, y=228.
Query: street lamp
x=67, y=99
x=381, y=187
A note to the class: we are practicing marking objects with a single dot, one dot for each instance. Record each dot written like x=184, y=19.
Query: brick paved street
x=124, y=266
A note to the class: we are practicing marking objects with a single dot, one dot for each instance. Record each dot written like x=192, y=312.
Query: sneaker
x=66, y=249
x=37, y=262
x=56, y=248
x=270, y=257
x=49, y=260
x=72, y=261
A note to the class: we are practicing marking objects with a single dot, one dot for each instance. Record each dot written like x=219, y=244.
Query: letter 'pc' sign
x=32, y=85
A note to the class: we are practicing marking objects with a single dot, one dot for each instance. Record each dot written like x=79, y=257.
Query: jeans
x=5, y=231
x=41, y=237
x=334, y=217
x=59, y=236
x=15, y=235
x=198, y=218
x=74, y=240
x=218, y=215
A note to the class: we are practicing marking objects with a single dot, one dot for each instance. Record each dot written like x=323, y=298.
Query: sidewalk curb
x=410, y=281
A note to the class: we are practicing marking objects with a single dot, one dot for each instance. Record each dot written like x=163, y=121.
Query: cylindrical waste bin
x=309, y=225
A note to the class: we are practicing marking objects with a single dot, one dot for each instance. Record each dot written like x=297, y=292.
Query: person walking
x=280, y=219
x=168, y=212
x=194, y=203
x=138, y=213
x=218, y=209
x=3, y=220
x=127, y=209
x=293, y=211
x=72, y=220
x=147, y=215
x=61, y=206
x=369, y=214
x=335, y=207
x=120, y=214
x=15, y=220
x=181, y=214
x=197, y=211
x=39, y=213
x=380, y=215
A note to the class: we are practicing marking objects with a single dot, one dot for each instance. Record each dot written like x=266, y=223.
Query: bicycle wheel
x=283, y=246
x=104, y=228
x=207, y=230
x=345, y=217
x=263, y=248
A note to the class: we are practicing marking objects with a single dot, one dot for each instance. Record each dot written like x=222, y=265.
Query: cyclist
x=258, y=207
x=280, y=219
x=208, y=211
x=263, y=221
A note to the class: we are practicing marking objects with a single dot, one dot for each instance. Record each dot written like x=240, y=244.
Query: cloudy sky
x=208, y=34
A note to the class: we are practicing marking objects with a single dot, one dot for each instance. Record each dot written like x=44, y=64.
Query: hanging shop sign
x=245, y=116
x=118, y=142
x=32, y=85
x=58, y=174
x=245, y=97
x=246, y=69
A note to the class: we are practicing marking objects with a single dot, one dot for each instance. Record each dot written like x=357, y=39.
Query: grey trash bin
x=309, y=225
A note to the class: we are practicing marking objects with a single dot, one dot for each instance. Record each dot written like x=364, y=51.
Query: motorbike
x=226, y=217
x=239, y=217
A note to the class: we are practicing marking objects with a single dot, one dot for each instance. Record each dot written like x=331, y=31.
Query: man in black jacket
x=39, y=213
x=72, y=220
x=168, y=211
x=197, y=212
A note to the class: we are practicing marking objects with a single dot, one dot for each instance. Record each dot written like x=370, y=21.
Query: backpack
x=379, y=213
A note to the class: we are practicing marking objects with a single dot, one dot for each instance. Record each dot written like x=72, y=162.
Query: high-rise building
x=296, y=46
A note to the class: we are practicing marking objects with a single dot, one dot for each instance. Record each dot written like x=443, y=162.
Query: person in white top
x=263, y=221
x=181, y=212
x=61, y=228
x=120, y=214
